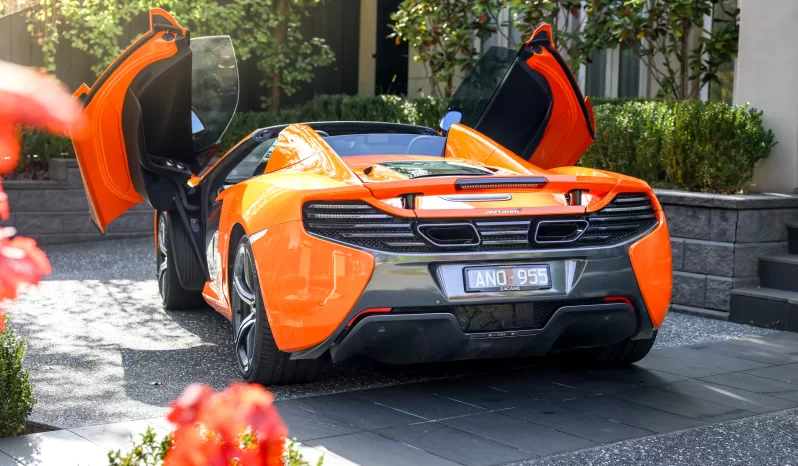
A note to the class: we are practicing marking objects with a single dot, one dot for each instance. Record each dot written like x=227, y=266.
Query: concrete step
x=765, y=307
x=779, y=272
x=792, y=238
x=700, y=312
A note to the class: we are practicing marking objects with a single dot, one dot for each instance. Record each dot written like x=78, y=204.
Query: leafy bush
x=16, y=392
x=690, y=145
x=696, y=146
x=151, y=451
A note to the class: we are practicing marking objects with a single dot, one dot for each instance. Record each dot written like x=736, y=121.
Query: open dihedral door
x=529, y=102
x=164, y=100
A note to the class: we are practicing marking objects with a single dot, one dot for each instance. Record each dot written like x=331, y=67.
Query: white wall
x=766, y=76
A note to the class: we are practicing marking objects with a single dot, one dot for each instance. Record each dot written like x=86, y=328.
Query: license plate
x=508, y=278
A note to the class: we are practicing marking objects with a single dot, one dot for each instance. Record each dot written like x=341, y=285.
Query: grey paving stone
x=6, y=460
x=718, y=293
x=474, y=394
x=688, y=289
x=746, y=256
x=707, y=358
x=723, y=225
x=357, y=412
x=66, y=200
x=743, y=349
x=541, y=390
x=677, y=253
x=162, y=423
x=304, y=424
x=679, y=367
x=709, y=258
x=523, y=435
x=417, y=402
x=60, y=447
x=313, y=455
x=785, y=373
x=729, y=396
x=455, y=445
x=752, y=383
x=370, y=448
x=557, y=416
x=688, y=222
x=117, y=436
x=632, y=414
x=621, y=378
x=683, y=405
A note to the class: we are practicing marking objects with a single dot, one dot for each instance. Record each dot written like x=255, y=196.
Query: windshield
x=386, y=144
x=479, y=85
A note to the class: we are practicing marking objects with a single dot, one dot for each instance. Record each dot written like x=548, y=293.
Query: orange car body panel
x=568, y=133
x=100, y=149
x=652, y=264
x=319, y=283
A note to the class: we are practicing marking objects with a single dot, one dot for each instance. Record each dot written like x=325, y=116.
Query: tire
x=619, y=354
x=173, y=295
x=256, y=353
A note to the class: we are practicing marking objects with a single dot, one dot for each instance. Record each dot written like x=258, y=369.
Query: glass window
x=629, y=74
x=247, y=166
x=722, y=18
x=386, y=144
x=596, y=76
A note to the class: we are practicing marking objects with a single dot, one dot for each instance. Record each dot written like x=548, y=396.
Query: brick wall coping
x=727, y=201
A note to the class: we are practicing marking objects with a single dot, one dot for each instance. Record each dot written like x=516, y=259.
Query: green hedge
x=16, y=391
x=690, y=145
x=695, y=146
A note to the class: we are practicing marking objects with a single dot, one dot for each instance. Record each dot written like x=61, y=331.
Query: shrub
x=696, y=146
x=16, y=392
x=151, y=450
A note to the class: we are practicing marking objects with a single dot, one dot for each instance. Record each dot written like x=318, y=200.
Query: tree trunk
x=684, y=51
x=279, y=39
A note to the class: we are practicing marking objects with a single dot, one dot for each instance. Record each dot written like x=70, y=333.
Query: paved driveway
x=102, y=350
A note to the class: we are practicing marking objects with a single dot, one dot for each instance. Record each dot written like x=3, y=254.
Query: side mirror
x=197, y=128
x=451, y=117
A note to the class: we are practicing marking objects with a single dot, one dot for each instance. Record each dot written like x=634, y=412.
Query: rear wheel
x=619, y=354
x=173, y=295
x=258, y=358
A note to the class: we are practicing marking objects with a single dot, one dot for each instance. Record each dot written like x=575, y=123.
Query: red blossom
x=238, y=426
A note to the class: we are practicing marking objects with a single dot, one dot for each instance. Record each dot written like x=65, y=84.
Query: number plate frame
x=487, y=289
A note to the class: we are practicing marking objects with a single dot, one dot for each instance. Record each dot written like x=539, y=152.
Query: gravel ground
x=769, y=439
x=101, y=348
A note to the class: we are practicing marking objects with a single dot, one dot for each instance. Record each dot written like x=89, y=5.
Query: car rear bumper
x=412, y=293
x=438, y=336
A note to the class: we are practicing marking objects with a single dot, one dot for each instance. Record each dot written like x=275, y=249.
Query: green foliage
x=663, y=34
x=566, y=20
x=269, y=31
x=443, y=33
x=696, y=146
x=151, y=450
x=38, y=147
x=17, y=400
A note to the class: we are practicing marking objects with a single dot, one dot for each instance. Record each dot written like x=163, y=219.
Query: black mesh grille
x=626, y=216
x=360, y=224
x=497, y=317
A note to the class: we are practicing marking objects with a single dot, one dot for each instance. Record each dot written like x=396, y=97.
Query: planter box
x=717, y=241
x=56, y=210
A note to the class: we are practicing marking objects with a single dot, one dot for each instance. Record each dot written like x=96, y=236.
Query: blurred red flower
x=238, y=426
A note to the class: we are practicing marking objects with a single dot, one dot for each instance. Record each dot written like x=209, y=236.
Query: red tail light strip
x=619, y=299
x=376, y=310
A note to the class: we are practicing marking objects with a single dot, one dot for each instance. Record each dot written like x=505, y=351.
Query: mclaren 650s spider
x=327, y=240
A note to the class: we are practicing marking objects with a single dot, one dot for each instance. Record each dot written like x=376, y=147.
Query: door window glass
x=214, y=87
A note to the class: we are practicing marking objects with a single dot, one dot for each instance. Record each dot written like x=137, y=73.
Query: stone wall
x=56, y=210
x=717, y=241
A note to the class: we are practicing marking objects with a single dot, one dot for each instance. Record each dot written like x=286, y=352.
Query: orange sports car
x=324, y=241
